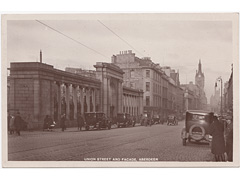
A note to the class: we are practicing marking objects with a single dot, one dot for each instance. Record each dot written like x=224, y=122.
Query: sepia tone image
x=121, y=88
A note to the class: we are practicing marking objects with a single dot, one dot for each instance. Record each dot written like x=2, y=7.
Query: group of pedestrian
x=15, y=123
x=222, y=141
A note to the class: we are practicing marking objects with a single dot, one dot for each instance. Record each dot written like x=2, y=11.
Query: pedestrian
x=11, y=124
x=18, y=123
x=146, y=119
x=134, y=120
x=62, y=123
x=46, y=123
x=8, y=122
x=229, y=140
x=80, y=121
x=218, y=145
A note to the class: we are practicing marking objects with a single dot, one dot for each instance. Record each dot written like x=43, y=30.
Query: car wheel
x=109, y=126
x=184, y=142
x=118, y=125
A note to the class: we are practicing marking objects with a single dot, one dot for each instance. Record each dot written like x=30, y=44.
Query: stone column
x=59, y=100
x=81, y=99
x=108, y=97
x=51, y=98
x=134, y=105
x=124, y=103
x=94, y=99
x=36, y=96
x=88, y=99
x=141, y=104
x=105, y=95
x=120, y=97
x=12, y=94
x=67, y=100
x=75, y=100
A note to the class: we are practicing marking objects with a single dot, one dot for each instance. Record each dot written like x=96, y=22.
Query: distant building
x=215, y=101
x=160, y=85
x=228, y=95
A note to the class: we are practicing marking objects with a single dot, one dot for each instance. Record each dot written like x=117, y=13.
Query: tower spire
x=199, y=66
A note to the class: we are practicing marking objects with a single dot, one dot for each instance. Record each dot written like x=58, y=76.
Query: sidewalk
x=59, y=130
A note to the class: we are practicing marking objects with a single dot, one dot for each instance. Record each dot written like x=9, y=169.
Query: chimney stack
x=40, y=56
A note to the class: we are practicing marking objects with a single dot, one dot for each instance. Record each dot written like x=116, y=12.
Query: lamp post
x=220, y=80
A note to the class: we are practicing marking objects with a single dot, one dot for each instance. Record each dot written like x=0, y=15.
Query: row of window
x=131, y=110
x=156, y=76
x=156, y=87
x=157, y=101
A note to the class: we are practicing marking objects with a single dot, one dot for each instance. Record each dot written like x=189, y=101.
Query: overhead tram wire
x=76, y=41
x=120, y=37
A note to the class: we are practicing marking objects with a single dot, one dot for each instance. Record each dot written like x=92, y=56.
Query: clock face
x=199, y=75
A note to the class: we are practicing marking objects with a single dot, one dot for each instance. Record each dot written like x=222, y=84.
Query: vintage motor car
x=197, y=125
x=172, y=120
x=96, y=120
x=124, y=120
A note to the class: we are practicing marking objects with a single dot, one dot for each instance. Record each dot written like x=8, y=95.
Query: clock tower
x=199, y=77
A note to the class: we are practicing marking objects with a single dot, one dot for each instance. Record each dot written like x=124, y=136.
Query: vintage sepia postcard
x=120, y=90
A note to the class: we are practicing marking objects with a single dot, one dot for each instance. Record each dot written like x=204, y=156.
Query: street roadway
x=155, y=143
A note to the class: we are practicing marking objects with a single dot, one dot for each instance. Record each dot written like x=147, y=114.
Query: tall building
x=160, y=85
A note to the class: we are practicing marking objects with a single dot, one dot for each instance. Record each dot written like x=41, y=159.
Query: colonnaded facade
x=36, y=89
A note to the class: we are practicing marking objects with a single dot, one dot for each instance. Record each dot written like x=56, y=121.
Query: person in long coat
x=18, y=123
x=218, y=143
x=80, y=121
x=229, y=140
x=62, y=122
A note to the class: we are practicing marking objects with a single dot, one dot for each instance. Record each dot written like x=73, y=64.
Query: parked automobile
x=156, y=119
x=197, y=125
x=96, y=120
x=124, y=120
x=172, y=120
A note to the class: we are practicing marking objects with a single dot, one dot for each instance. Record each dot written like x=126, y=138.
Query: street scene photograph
x=120, y=88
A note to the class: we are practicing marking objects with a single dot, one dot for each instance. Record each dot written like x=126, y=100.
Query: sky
x=178, y=44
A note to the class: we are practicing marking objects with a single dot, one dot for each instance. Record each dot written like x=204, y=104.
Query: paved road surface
x=159, y=142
